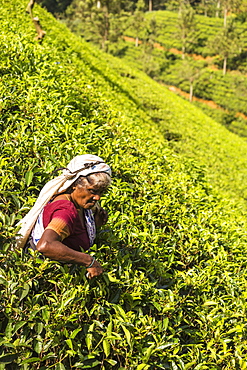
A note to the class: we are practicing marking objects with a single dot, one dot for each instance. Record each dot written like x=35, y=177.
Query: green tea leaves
x=28, y=177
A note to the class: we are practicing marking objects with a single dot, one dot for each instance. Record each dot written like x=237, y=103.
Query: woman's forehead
x=95, y=186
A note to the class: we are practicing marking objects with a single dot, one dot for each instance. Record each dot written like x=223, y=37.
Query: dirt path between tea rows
x=173, y=50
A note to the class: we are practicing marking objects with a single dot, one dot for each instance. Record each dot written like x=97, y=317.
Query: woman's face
x=86, y=196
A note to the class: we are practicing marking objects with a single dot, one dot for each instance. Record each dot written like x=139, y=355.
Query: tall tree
x=218, y=6
x=205, y=7
x=151, y=34
x=241, y=12
x=98, y=21
x=150, y=65
x=227, y=43
x=190, y=71
x=155, y=5
x=229, y=6
x=138, y=20
x=186, y=27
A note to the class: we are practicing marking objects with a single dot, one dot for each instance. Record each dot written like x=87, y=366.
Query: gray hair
x=100, y=179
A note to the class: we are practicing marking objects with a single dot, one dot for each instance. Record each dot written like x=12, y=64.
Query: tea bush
x=234, y=123
x=174, y=251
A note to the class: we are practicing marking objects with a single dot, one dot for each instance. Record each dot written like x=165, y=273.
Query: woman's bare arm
x=51, y=246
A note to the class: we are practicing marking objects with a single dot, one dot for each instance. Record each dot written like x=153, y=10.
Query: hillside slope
x=174, y=252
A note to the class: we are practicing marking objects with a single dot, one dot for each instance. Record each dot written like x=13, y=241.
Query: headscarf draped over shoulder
x=81, y=165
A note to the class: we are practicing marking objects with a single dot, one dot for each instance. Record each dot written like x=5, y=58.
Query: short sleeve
x=60, y=218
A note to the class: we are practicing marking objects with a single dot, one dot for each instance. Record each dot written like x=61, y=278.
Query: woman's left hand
x=100, y=216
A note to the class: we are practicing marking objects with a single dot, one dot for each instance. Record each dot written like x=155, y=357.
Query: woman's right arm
x=50, y=246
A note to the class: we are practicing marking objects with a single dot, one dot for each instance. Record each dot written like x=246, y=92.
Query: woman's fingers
x=95, y=270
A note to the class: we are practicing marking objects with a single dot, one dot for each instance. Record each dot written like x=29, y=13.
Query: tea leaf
x=106, y=347
x=28, y=177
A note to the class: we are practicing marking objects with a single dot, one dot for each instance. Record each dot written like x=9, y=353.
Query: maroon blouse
x=62, y=217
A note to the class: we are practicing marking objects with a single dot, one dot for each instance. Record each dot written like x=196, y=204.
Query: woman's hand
x=51, y=246
x=95, y=270
x=100, y=217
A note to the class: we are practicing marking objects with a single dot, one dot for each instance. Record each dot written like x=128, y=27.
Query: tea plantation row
x=174, y=252
x=206, y=29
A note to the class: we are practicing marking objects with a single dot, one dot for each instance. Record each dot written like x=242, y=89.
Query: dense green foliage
x=207, y=28
x=101, y=22
x=174, y=288
x=234, y=123
x=228, y=91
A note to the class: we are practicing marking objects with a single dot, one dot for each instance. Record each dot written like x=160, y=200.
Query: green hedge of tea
x=173, y=294
x=206, y=28
x=234, y=123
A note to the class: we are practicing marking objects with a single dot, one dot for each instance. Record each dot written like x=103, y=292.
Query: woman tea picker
x=61, y=223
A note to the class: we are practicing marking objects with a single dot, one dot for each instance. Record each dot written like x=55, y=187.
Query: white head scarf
x=81, y=165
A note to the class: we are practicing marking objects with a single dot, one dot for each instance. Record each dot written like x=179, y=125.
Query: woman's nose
x=96, y=197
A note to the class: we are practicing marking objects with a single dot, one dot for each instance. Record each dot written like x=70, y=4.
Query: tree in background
x=229, y=6
x=138, y=20
x=227, y=43
x=154, y=5
x=217, y=10
x=56, y=7
x=151, y=34
x=190, y=71
x=101, y=21
x=172, y=5
x=186, y=27
x=150, y=65
x=241, y=12
x=205, y=7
